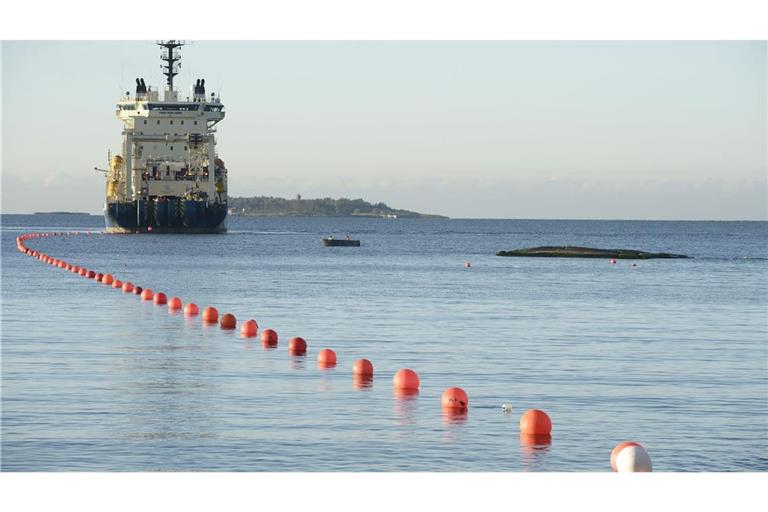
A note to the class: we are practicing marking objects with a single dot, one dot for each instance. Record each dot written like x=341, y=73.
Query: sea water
x=670, y=353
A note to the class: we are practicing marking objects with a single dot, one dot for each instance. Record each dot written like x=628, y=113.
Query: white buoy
x=506, y=408
x=633, y=459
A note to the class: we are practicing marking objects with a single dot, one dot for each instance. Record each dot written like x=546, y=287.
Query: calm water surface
x=672, y=353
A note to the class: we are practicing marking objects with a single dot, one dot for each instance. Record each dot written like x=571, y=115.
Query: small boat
x=340, y=242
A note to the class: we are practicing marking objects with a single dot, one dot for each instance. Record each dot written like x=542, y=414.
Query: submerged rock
x=587, y=252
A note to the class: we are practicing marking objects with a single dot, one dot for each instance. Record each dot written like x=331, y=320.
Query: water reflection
x=362, y=381
x=454, y=416
x=298, y=362
x=405, y=405
x=325, y=366
x=533, y=451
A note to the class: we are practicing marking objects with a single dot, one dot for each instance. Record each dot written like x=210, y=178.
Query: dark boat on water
x=340, y=242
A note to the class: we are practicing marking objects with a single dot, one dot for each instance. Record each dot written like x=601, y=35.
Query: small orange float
x=326, y=358
x=191, y=309
x=535, y=422
x=297, y=346
x=210, y=315
x=174, y=303
x=228, y=321
x=159, y=298
x=269, y=338
x=147, y=294
x=249, y=328
x=362, y=367
x=454, y=398
x=406, y=379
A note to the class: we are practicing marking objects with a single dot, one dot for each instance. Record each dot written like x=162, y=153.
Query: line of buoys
x=535, y=424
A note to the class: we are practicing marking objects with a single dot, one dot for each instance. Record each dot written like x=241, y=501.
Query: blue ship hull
x=172, y=215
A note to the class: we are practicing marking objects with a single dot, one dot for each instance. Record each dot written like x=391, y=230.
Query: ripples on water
x=671, y=353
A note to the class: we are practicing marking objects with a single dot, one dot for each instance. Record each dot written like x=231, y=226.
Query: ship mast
x=171, y=56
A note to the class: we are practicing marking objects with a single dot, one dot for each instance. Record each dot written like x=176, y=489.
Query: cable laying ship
x=168, y=178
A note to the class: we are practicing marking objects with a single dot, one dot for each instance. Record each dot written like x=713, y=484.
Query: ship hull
x=173, y=215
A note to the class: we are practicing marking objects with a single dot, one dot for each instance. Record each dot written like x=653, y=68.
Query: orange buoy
x=249, y=328
x=535, y=422
x=174, y=303
x=83, y=272
x=210, y=315
x=297, y=346
x=107, y=279
x=191, y=309
x=117, y=283
x=147, y=294
x=630, y=457
x=454, y=398
x=98, y=277
x=326, y=358
x=406, y=379
x=362, y=367
x=228, y=321
x=127, y=287
x=137, y=290
x=159, y=298
x=613, y=261
x=269, y=338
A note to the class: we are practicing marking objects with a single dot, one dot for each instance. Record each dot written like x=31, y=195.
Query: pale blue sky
x=646, y=130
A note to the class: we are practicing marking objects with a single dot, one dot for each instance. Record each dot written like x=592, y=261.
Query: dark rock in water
x=586, y=252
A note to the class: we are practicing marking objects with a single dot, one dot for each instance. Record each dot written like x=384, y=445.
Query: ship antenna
x=171, y=56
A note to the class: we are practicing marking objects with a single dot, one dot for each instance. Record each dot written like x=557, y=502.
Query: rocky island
x=587, y=252
x=263, y=206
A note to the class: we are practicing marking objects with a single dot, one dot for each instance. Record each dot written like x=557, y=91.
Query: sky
x=472, y=129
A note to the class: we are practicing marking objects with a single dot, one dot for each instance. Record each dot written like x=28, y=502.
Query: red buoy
x=326, y=358
x=535, y=422
x=362, y=367
x=454, y=398
x=98, y=277
x=117, y=283
x=406, y=379
x=137, y=290
x=249, y=328
x=210, y=315
x=159, y=298
x=127, y=287
x=83, y=272
x=630, y=457
x=191, y=309
x=269, y=338
x=147, y=294
x=297, y=346
x=174, y=303
x=228, y=321
x=107, y=279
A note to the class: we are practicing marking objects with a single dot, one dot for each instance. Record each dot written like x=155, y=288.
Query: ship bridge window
x=212, y=108
x=195, y=122
x=145, y=121
x=158, y=121
x=171, y=121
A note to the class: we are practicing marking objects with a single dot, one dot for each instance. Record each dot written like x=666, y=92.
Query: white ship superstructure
x=168, y=177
